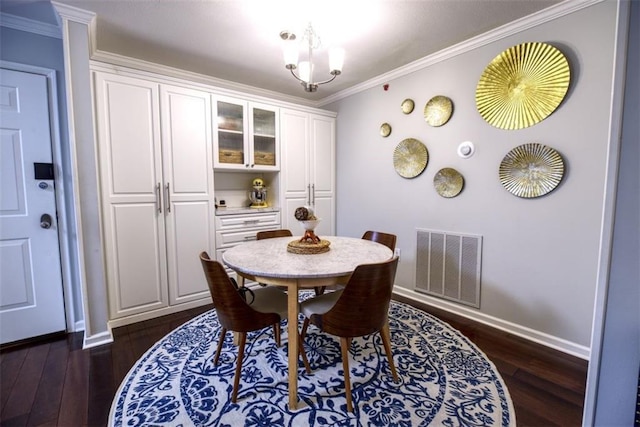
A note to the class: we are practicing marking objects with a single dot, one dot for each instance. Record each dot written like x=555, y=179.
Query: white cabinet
x=234, y=229
x=246, y=136
x=156, y=173
x=308, y=168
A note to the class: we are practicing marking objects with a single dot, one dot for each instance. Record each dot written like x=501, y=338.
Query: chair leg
x=303, y=354
x=223, y=333
x=319, y=290
x=276, y=333
x=386, y=340
x=236, y=379
x=305, y=325
x=344, y=347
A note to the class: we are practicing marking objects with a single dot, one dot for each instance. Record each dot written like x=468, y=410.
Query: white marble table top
x=269, y=258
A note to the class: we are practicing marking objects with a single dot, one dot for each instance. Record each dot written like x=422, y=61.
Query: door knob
x=45, y=221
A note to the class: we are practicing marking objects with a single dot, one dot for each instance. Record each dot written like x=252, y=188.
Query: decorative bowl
x=310, y=224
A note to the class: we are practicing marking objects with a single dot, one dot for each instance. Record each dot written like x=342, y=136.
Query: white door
x=31, y=299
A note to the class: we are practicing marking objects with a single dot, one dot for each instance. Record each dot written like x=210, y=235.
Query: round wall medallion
x=407, y=106
x=385, y=130
x=410, y=158
x=531, y=170
x=522, y=86
x=438, y=110
x=448, y=182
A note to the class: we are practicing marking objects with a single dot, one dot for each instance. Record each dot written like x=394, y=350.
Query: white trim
x=97, y=339
x=117, y=64
x=512, y=328
x=63, y=216
x=29, y=25
x=514, y=27
x=140, y=317
x=608, y=211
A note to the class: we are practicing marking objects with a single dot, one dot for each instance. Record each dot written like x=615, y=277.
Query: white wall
x=540, y=256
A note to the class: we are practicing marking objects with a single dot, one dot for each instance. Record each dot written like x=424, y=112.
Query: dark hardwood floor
x=55, y=382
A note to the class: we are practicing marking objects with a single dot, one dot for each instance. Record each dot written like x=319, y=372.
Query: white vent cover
x=448, y=266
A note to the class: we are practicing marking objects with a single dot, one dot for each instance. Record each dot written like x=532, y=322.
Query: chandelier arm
x=294, y=75
x=333, y=77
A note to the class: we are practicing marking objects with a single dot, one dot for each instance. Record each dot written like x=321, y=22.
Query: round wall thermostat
x=466, y=149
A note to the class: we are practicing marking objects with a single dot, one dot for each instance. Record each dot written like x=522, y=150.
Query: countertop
x=244, y=211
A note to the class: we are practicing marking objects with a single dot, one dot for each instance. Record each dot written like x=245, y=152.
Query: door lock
x=45, y=221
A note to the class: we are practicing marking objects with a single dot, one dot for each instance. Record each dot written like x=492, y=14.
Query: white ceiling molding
x=101, y=58
x=23, y=24
x=75, y=14
x=546, y=15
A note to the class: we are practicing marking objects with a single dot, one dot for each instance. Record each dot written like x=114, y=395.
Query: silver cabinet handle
x=158, y=201
x=308, y=194
x=313, y=191
x=167, y=199
x=251, y=221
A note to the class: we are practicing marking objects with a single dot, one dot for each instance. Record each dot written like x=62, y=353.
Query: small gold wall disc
x=410, y=158
x=438, y=110
x=448, y=182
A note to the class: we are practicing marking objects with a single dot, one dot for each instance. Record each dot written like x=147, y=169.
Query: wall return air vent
x=448, y=266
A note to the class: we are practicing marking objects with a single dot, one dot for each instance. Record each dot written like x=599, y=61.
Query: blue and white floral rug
x=445, y=380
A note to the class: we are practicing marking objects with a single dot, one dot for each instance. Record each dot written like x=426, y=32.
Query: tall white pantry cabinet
x=308, y=173
x=156, y=177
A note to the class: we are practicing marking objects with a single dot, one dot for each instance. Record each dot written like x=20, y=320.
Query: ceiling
x=238, y=40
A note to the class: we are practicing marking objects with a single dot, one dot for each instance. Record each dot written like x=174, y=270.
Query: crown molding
x=29, y=25
x=512, y=28
x=74, y=14
x=115, y=63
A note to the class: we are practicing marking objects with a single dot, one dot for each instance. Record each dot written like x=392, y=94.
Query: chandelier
x=306, y=68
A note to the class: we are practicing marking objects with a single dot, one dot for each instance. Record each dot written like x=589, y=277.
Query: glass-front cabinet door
x=264, y=136
x=246, y=136
x=230, y=139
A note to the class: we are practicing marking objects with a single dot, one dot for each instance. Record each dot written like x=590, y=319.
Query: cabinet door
x=230, y=139
x=188, y=189
x=322, y=166
x=130, y=162
x=294, y=148
x=264, y=137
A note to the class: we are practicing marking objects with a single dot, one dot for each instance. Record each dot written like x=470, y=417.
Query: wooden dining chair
x=361, y=308
x=389, y=240
x=268, y=307
x=270, y=234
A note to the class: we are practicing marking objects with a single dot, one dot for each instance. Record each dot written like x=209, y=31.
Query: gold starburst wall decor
x=531, y=170
x=522, y=86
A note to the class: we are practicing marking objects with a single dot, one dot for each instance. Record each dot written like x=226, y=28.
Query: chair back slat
x=269, y=234
x=364, y=304
x=233, y=312
x=389, y=240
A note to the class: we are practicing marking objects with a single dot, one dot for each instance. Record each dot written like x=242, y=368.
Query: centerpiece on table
x=310, y=243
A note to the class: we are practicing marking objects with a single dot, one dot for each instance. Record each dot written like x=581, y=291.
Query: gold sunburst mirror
x=522, y=86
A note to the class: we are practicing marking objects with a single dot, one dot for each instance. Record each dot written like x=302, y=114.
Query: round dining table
x=268, y=261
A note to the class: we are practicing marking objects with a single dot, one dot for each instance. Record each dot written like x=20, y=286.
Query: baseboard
x=97, y=339
x=527, y=333
x=141, y=317
x=78, y=326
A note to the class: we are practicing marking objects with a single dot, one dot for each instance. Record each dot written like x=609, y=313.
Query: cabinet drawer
x=236, y=222
x=232, y=238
